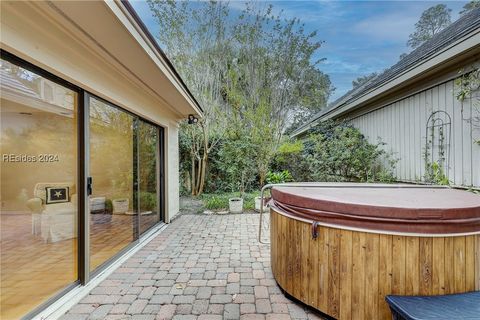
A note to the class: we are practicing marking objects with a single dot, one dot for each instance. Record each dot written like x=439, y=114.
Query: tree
x=474, y=4
x=274, y=77
x=467, y=91
x=432, y=21
x=195, y=41
x=363, y=79
x=253, y=70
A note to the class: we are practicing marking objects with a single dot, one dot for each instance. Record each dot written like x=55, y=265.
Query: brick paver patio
x=203, y=267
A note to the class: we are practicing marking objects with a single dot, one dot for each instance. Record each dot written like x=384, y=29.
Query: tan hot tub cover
x=390, y=208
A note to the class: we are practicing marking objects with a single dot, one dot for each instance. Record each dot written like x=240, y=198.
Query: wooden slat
x=477, y=262
x=283, y=253
x=358, y=274
x=297, y=267
x=333, y=272
x=280, y=243
x=313, y=273
x=459, y=265
x=412, y=272
x=323, y=268
x=438, y=270
x=398, y=265
x=426, y=266
x=384, y=274
x=273, y=241
x=470, y=263
x=345, y=275
x=371, y=281
x=449, y=266
x=290, y=255
x=305, y=261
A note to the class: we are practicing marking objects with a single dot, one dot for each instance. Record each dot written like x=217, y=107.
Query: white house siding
x=173, y=171
x=401, y=125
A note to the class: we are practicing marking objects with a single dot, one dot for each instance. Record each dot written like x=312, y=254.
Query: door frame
x=160, y=155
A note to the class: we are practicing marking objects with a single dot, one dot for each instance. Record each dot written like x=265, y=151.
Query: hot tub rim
x=278, y=210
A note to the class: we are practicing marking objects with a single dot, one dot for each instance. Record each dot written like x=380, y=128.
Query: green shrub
x=342, y=153
x=216, y=202
x=148, y=200
x=236, y=163
x=249, y=200
x=291, y=156
x=279, y=177
x=220, y=201
x=435, y=175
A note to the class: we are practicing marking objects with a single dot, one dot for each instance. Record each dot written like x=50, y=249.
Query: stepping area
x=204, y=267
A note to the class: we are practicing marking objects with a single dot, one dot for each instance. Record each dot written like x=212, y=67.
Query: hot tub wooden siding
x=346, y=274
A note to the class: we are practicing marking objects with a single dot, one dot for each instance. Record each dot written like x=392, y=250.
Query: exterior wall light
x=192, y=119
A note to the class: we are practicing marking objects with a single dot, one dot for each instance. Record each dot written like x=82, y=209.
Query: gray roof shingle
x=458, y=29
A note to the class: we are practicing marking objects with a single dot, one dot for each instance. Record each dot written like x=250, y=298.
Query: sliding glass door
x=111, y=203
x=148, y=176
x=39, y=212
x=54, y=232
x=124, y=175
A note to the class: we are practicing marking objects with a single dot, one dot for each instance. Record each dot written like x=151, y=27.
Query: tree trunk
x=199, y=172
x=262, y=174
x=203, y=173
x=193, y=182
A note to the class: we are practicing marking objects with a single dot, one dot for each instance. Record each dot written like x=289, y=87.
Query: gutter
x=154, y=43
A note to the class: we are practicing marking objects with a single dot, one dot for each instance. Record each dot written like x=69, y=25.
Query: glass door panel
x=148, y=163
x=38, y=216
x=112, y=210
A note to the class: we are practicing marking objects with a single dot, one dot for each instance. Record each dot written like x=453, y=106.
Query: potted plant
x=235, y=205
x=120, y=206
x=258, y=201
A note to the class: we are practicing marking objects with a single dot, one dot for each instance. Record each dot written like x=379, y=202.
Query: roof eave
x=466, y=43
x=142, y=28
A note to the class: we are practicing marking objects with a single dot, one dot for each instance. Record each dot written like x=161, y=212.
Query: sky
x=360, y=37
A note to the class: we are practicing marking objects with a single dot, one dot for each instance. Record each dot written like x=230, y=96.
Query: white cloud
x=393, y=27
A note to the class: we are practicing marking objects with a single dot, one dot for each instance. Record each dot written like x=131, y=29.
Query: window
x=112, y=207
x=38, y=237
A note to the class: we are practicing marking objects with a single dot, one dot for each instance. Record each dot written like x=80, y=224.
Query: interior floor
x=32, y=270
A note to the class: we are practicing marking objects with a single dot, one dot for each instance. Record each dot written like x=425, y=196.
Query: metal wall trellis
x=438, y=142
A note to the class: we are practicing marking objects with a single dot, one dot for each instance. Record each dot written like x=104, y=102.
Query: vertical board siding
x=402, y=124
x=347, y=274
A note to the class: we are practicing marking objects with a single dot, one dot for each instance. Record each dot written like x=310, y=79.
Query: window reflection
x=112, y=216
x=148, y=175
x=38, y=216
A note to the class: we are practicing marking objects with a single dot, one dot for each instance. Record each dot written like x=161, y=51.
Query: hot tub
x=341, y=248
